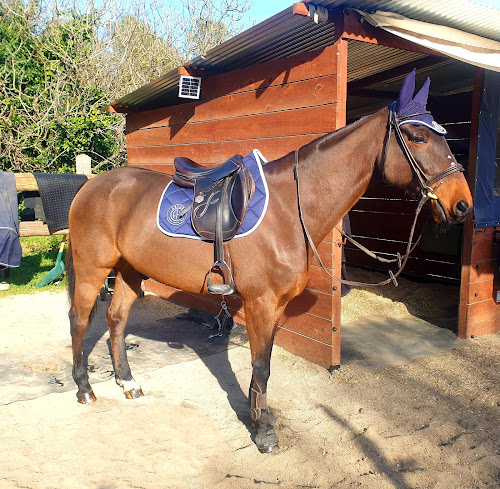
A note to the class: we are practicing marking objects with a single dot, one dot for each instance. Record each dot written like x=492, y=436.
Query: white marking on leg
x=128, y=385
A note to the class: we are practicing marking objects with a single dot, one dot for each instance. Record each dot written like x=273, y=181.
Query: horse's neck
x=335, y=171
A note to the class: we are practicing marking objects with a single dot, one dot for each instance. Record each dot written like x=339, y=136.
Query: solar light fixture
x=189, y=87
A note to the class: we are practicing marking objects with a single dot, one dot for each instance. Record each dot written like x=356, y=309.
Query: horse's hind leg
x=83, y=301
x=261, y=319
x=127, y=288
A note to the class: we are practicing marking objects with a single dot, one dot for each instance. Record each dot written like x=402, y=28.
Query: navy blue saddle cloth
x=173, y=222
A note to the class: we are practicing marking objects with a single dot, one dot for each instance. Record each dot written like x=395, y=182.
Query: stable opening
x=430, y=286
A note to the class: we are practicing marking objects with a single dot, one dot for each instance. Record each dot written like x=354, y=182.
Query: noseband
x=427, y=191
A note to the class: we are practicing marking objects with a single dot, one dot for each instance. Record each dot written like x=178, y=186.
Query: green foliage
x=48, y=112
x=39, y=257
x=21, y=207
x=62, y=61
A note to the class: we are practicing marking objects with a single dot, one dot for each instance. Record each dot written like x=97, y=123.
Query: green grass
x=39, y=257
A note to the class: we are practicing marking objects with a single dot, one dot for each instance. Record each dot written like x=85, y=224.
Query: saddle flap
x=232, y=194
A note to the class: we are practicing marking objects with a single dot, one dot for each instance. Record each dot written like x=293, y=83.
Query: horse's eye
x=419, y=139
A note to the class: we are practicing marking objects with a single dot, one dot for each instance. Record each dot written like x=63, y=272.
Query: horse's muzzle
x=455, y=215
x=461, y=210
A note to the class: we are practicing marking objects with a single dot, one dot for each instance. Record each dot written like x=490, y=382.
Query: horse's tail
x=70, y=274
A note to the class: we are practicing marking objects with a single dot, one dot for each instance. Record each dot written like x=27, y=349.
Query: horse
x=112, y=224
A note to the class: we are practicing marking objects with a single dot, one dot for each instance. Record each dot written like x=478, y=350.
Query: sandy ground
x=384, y=420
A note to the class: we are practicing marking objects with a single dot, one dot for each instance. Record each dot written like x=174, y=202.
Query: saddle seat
x=220, y=200
x=188, y=171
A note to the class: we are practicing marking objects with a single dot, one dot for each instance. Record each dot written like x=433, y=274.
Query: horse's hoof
x=269, y=448
x=134, y=393
x=86, y=397
x=267, y=440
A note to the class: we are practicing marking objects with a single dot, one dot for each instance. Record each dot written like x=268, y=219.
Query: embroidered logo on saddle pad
x=174, y=214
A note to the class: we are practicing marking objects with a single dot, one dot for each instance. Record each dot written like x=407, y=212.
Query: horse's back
x=122, y=181
x=116, y=190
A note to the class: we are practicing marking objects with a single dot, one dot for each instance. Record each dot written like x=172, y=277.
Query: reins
x=427, y=193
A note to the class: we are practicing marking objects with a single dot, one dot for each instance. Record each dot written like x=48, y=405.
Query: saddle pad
x=175, y=199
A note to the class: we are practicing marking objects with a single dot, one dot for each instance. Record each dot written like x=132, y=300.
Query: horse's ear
x=423, y=94
x=406, y=93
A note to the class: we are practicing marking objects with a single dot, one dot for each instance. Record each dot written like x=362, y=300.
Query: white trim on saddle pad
x=260, y=160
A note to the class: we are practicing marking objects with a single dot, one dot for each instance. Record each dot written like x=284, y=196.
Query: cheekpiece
x=412, y=110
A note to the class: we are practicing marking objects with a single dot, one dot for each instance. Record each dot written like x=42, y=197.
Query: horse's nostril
x=462, y=208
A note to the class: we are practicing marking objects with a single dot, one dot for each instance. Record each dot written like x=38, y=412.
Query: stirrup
x=224, y=288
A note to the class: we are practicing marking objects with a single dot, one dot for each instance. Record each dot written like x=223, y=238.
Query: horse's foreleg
x=261, y=320
x=83, y=302
x=127, y=288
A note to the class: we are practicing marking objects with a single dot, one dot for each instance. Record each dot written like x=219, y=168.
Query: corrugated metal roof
x=465, y=15
x=381, y=58
x=286, y=34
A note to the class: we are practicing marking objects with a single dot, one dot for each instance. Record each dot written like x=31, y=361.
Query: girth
x=220, y=200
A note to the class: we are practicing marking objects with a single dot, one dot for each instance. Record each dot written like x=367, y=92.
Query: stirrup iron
x=221, y=289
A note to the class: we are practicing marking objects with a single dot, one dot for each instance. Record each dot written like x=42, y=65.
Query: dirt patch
x=428, y=422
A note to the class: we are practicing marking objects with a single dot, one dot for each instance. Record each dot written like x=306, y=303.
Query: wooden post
x=464, y=329
x=340, y=121
x=83, y=165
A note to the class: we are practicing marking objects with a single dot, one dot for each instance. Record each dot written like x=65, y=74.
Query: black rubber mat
x=57, y=192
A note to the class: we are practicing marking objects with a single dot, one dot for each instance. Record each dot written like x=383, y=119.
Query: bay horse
x=112, y=224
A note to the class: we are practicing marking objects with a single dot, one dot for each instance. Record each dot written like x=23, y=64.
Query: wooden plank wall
x=276, y=107
x=479, y=312
x=383, y=217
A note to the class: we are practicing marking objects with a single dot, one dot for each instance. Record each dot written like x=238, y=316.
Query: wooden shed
x=309, y=70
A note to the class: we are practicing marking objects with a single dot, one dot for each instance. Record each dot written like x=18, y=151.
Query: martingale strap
x=427, y=193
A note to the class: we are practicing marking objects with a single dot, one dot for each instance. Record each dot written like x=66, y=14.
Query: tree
x=47, y=114
x=204, y=24
x=61, y=62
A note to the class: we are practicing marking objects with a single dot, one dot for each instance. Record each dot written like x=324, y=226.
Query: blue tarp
x=487, y=198
x=10, y=247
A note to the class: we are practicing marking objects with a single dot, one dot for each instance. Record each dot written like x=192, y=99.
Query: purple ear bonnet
x=411, y=110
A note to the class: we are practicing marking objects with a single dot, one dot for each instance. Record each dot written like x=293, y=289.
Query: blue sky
x=263, y=9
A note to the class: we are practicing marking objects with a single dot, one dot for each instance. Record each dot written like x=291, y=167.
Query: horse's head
x=417, y=156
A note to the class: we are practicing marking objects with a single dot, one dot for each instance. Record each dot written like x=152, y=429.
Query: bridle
x=424, y=181
x=426, y=187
